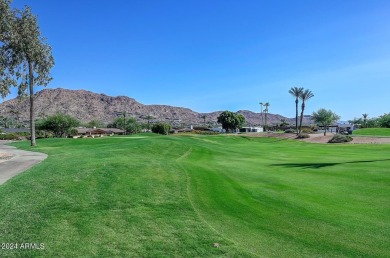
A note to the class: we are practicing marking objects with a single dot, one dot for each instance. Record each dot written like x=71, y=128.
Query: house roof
x=98, y=130
x=15, y=130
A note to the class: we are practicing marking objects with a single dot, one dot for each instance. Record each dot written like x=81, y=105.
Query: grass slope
x=372, y=132
x=176, y=196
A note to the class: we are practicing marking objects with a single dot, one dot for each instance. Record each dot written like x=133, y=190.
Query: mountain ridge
x=87, y=105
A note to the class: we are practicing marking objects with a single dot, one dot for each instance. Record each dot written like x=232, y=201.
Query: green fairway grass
x=372, y=132
x=177, y=196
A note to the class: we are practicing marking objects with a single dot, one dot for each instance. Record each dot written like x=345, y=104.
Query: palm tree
x=305, y=95
x=296, y=92
x=266, y=105
x=365, y=119
x=261, y=112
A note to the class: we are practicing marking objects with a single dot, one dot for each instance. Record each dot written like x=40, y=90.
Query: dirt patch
x=320, y=138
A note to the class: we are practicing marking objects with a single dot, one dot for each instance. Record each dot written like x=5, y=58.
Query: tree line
x=62, y=125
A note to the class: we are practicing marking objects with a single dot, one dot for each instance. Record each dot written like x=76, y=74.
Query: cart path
x=20, y=162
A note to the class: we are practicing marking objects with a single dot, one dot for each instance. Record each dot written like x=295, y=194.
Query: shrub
x=161, y=128
x=307, y=130
x=290, y=130
x=340, y=138
x=303, y=136
x=58, y=124
x=9, y=136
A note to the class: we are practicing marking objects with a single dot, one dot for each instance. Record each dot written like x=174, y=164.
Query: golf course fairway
x=199, y=196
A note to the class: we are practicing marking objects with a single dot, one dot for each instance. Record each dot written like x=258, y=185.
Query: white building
x=251, y=130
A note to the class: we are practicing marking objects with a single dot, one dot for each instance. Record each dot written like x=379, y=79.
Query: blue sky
x=224, y=55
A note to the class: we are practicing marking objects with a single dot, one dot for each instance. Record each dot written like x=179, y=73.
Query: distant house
x=97, y=132
x=251, y=130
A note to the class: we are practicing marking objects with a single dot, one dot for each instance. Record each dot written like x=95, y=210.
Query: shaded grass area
x=176, y=196
x=372, y=132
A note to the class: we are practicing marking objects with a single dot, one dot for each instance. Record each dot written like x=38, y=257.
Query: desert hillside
x=86, y=106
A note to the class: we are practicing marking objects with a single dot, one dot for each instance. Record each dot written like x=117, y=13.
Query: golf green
x=373, y=131
x=199, y=196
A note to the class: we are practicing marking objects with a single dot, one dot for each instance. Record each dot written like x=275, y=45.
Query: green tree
x=283, y=122
x=95, y=123
x=384, y=120
x=58, y=124
x=305, y=96
x=161, y=128
x=373, y=122
x=296, y=92
x=7, y=66
x=324, y=118
x=25, y=56
x=131, y=124
x=230, y=120
x=148, y=118
x=5, y=122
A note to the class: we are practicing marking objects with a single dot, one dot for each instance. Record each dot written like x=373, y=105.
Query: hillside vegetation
x=199, y=196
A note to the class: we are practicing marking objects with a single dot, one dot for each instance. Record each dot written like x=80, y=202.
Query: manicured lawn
x=372, y=132
x=175, y=196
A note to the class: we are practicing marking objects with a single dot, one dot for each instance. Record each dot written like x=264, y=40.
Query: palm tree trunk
x=300, y=124
x=296, y=115
x=31, y=88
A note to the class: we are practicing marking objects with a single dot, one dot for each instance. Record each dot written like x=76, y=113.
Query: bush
x=9, y=136
x=161, y=128
x=58, y=124
x=384, y=121
x=303, y=136
x=340, y=138
x=290, y=131
x=307, y=130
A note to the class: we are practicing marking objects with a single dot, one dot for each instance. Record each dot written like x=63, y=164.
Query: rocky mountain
x=86, y=106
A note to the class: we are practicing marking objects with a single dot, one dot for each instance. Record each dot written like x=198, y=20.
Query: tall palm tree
x=261, y=112
x=266, y=105
x=365, y=119
x=296, y=92
x=305, y=95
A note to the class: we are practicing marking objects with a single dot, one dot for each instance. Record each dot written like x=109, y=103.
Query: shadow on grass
x=321, y=165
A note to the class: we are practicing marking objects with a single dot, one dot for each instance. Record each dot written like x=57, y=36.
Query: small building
x=251, y=130
x=98, y=132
